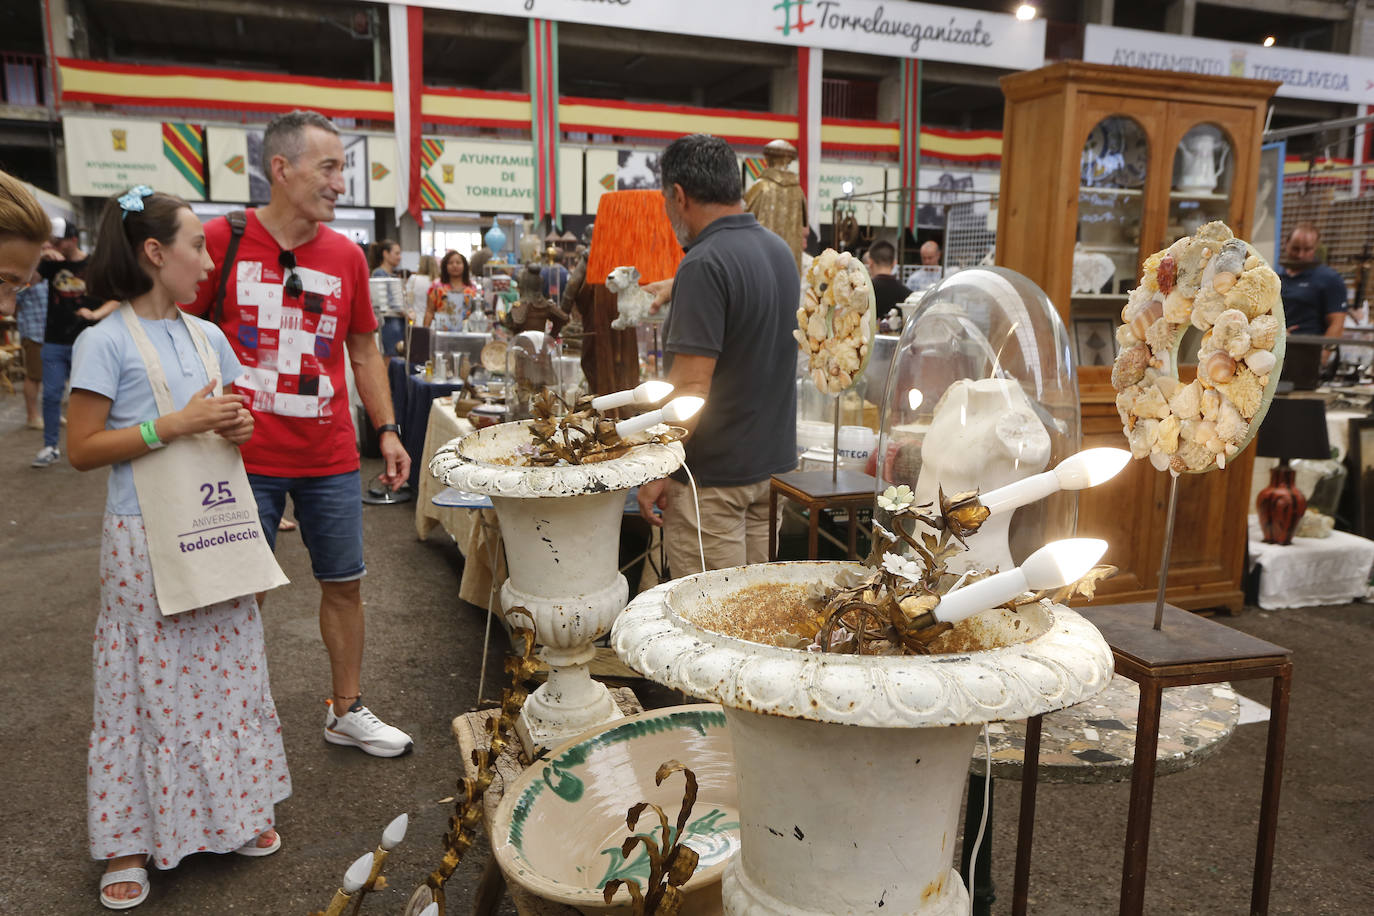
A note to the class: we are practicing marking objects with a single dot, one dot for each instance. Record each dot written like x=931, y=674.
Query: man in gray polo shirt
x=729, y=340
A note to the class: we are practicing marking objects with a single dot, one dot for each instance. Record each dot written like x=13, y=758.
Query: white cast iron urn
x=561, y=528
x=851, y=768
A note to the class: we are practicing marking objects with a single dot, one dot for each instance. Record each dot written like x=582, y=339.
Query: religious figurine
x=777, y=199
x=532, y=311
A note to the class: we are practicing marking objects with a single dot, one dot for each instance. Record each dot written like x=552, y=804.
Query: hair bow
x=132, y=201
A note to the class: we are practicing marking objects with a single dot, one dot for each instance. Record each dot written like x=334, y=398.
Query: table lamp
x=632, y=228
x=1293, y=428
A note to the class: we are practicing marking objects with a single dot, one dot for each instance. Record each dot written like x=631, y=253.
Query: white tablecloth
x=1311, y=571
x=475, y=531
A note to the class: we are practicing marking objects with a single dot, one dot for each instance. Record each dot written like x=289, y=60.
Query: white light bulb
x=684, y=408
x=914, y=398
x=1091, y=467
x=357, y=874
x=647, y=393
x=1057, y=563
x=1026, y=12
x=1085, y=469
x=395, y=832
x=675, y=411
x=1269, y=41
x=652, y=392
x=847, y=188
x=1061, y=562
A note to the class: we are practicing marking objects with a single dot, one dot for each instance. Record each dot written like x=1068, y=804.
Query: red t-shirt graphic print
x=292, y=347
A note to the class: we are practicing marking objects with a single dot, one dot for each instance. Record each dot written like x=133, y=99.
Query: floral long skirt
x=185, y=752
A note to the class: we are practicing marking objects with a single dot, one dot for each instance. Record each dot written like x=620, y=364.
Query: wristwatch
x=389, y=428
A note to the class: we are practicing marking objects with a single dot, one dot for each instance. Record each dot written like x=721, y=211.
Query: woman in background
x=455, y=280
x=384, y=258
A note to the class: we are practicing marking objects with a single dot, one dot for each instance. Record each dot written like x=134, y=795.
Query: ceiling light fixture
x=1269, y=41
x=1026, y=12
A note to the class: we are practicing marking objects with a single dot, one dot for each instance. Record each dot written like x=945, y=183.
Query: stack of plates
x=388, y=295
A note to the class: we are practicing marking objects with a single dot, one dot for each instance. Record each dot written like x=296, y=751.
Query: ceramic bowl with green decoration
x=559, y=828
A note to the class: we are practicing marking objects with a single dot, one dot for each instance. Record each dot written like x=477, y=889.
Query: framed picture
x=1094, y=341
x=1361, y=464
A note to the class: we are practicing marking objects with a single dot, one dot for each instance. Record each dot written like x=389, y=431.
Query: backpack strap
x=238, y=224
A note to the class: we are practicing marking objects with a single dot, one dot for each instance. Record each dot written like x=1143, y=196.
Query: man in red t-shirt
x=296, y=305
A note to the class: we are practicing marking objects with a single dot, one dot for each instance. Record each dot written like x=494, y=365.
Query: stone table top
x=1094, y=741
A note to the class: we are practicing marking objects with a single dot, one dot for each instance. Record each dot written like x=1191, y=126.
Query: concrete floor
x=421, y=669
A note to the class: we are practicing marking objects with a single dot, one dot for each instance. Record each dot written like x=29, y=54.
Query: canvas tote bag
x=205, y=542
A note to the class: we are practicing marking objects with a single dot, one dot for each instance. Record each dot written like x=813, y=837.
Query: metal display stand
x=1190, y=650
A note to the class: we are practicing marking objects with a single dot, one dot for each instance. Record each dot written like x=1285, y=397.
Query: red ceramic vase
x=1280, y=506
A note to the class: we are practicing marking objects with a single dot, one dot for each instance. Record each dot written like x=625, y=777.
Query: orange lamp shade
x=632, y=229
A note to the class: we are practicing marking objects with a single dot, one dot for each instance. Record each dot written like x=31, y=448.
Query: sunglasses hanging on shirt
x=293, y=285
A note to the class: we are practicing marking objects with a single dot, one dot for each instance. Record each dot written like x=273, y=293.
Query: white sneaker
x=47, y=456
x=361, y=729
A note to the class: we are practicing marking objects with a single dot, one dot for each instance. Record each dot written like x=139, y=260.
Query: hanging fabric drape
x=909, y=149
x=543, y=57
x=407, y=82
x=809, y=67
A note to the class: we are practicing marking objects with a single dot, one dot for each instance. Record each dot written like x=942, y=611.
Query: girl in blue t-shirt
x=185, y=750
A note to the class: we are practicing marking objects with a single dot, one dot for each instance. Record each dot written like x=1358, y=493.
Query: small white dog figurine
x=631, y=300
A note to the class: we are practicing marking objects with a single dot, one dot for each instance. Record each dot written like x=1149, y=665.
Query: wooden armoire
x=1118, y=163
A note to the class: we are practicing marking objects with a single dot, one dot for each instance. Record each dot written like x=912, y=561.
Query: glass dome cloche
x=981, y=393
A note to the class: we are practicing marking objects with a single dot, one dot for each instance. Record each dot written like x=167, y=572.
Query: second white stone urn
x=561, y=528
x=851, y=767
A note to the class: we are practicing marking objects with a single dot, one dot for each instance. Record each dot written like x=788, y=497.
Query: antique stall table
x=1094, y=742
x=412, y=398
x=470, y=730
x=1189, y=650
x=442, y=426
x=815, y=492
x=1310, y=571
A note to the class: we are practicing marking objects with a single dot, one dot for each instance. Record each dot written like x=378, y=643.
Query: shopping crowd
x=206, y=363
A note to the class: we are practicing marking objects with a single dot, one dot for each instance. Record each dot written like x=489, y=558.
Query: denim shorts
x=329, y=511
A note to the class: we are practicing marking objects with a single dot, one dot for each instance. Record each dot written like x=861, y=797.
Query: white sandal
x=253, y=850
x=136, y=875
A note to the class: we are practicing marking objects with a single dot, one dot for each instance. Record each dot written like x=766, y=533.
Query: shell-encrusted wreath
x=1220, y=285
x=837, y=320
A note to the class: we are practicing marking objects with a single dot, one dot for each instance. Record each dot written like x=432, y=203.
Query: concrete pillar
x=79, y=32
x=890, y=95
x=1361, y=30
x=782, y=93
x=1179, y=17
x=526, y=50
x=408, y=232
x=1099, y=12
x=57, y=13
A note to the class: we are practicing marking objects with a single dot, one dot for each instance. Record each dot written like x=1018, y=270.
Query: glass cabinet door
x=1111, y=204
x=1106, y=256
x=1201, y=187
